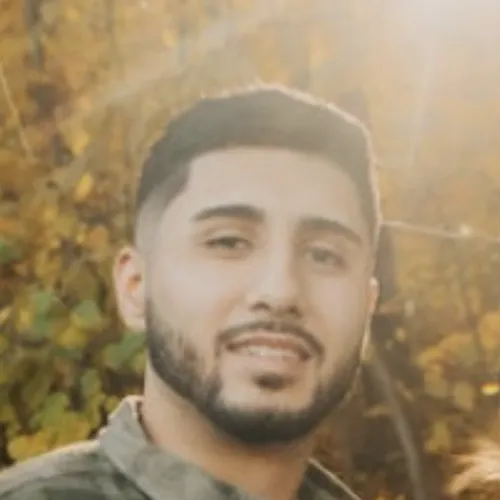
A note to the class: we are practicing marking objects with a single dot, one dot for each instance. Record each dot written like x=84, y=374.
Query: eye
x=327, y=257
x=228, y=245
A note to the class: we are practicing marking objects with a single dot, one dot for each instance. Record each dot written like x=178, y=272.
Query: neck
x=273, y=473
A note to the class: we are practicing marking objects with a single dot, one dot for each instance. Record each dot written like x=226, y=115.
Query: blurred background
x=84, y=88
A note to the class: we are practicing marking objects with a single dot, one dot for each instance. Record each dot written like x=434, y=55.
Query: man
x=251, y=274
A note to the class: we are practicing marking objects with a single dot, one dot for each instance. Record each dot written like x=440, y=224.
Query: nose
x=276, y=289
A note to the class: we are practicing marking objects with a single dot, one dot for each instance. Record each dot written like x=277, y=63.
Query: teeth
x=265, y=351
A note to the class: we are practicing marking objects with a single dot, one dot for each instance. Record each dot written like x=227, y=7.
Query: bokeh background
x=84, y=88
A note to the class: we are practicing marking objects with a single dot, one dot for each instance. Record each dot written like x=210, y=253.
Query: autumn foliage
x=84, y=88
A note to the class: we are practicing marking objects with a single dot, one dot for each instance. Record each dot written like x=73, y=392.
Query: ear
x=373, y=295
x=128, y=278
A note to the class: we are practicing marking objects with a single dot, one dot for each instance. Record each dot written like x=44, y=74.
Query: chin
x=265, y=423
x=268, y=397
x=277, y=406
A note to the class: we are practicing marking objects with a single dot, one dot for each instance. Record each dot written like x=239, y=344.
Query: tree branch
x=384, y=381
x=32, y=16
x=15, y=113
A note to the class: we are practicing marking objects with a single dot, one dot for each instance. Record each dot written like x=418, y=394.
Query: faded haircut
x=263, y=116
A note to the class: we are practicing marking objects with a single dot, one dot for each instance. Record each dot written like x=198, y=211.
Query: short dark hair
x=263, y=116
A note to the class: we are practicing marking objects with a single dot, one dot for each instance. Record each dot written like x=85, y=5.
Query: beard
x=179, y=365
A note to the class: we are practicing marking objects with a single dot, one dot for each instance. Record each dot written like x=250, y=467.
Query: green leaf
x=41, y=328
x=44, y=301
x=52, y=409
x=90, y=383
x=67, y=353
x=122, y=353
x=35, y=391
x=87, y=315
x=9, y=251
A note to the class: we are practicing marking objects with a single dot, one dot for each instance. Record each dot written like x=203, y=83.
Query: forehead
x=281, y=183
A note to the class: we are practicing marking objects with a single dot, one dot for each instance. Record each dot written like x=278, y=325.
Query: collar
x=157, y=472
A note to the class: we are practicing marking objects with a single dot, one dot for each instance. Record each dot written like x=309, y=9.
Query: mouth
x=271, y=345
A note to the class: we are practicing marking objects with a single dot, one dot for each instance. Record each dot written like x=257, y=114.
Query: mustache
x=273, y=326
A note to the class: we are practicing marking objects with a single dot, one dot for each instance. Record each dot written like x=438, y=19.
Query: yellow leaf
x=489, y=328
x=80, y=236
x=66, y=225
x=72, y=338
x=429, y=357
x=464, y=395
x=84, y=187
x=25, y=446
x=72, y=14
x=49, y=214
x=47, y=267
x=168, y=37
x=76, y=428
x=79, y=141
x=98, y=240
x=84, y=103
x=79, y=280
x=9, y=226
x=456, y=347
x=22, y=268
x=24, y=319
x=435, y=384
x=440, y=439
x=7, y=413
x=4, y=314
x=490, y=389
x=139, y=362
x=111, y=403
x=400, y=335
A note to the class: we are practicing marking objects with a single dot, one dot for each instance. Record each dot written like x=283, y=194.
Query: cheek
x=342, y=311
x=194, y=296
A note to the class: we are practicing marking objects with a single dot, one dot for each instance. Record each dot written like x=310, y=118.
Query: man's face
x=258, y=291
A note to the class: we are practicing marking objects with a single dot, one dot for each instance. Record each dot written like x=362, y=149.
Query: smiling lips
x=268, y=344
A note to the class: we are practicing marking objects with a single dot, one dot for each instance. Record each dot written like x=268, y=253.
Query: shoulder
x=74, y=471
x=327, y=486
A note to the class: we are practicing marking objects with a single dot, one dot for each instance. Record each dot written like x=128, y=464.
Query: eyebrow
x=335, y=227
x=234, y=211
x=253, y=214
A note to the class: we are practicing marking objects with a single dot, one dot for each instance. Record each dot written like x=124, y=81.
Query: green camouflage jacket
x=121, y=464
